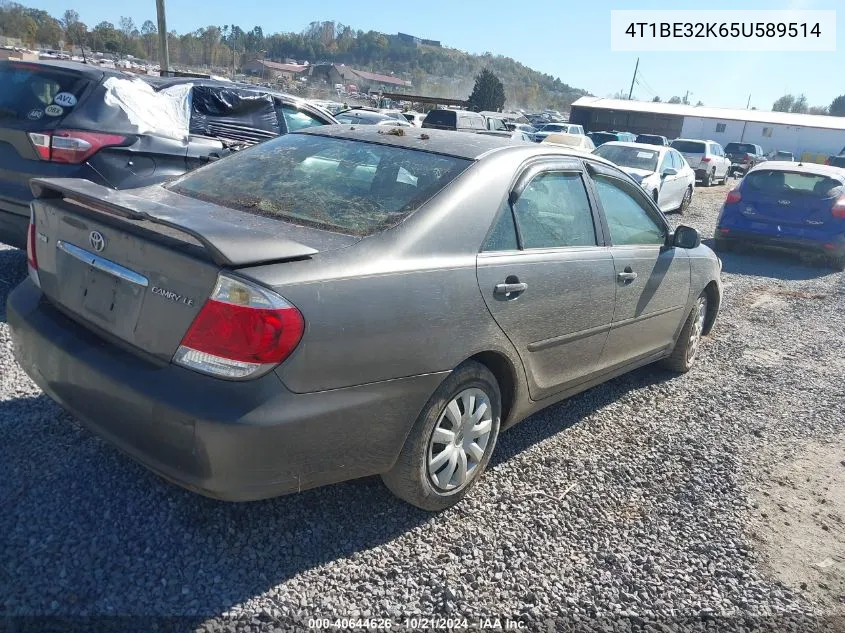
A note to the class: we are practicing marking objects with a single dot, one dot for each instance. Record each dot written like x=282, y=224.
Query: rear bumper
x=235, y=441
x=783, y=243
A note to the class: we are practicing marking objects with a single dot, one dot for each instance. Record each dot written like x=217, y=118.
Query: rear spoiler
x=226, y=236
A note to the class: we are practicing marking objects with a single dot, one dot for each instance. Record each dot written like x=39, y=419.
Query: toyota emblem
x=97, y=241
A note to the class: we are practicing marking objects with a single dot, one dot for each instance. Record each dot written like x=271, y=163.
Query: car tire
x=838, y=263
x=685, y=201
x=708, y=179
x=421, y=475
x=727, y=175
x=686, y=347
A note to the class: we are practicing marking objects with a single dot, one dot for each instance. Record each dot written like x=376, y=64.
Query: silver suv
x=707, y=158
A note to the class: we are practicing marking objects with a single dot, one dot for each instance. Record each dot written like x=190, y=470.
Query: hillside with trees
x=442, y=71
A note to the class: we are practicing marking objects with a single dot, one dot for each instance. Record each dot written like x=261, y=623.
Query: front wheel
x=685, y=202
x=686, y=348
x=451, y=441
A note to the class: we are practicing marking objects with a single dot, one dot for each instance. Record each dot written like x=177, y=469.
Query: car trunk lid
x=135, y=267
x=790, y=198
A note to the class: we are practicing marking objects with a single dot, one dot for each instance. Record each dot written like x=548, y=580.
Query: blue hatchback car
x=788, y=206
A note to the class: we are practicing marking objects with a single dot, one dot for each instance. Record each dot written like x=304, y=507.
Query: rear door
x=548, y=280
x=30, y=98
x=783, y=199
x=652, y=281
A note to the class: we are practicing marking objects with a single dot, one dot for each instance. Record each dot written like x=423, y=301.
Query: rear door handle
x=507, y=289
x=627, y=275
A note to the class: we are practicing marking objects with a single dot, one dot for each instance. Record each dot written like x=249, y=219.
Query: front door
x=547, y=281
x=652, y=281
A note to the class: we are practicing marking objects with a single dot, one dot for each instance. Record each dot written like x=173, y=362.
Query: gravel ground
x=633, y=501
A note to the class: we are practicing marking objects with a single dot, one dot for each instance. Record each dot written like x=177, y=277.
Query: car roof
x=806, y=168
x=90, y=71
x=696, y=140
x=459, y=144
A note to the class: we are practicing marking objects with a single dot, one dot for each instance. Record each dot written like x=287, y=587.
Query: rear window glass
x=603, y=137
x=441, y=117
x=689, y=147
x=739, y=148
x=786, y=183
x=334, y=184
x=34, y=95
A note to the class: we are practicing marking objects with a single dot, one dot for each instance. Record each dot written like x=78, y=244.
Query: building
x=809, y=136
x=275, y=70
x=362, y=80
x=412, y=39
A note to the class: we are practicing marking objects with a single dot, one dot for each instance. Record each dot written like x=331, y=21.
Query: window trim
x=548, y=165
x=629, y=186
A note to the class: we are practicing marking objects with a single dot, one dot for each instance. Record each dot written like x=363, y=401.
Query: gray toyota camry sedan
x=343, y=302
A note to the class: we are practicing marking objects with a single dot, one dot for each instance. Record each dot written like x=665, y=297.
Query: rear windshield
x=634, y=157
x=648, y=138
x=334, y=184
x=787, y=183
x=740, y=148
x=440, y=117
x=689, y=147
x=603, y=137
x=362, y=118
x=34, y=94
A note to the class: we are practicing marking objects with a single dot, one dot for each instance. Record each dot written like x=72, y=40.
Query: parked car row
x=336, y=301
x=70, y=120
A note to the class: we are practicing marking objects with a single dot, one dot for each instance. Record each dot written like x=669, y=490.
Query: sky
x=566, y=38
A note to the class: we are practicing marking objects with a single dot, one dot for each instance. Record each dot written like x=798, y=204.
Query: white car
x=661, y=171
x=707, y=158
x=414, y=118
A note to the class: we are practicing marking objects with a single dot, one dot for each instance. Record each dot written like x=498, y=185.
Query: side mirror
x=686, y=237
x=669, y=171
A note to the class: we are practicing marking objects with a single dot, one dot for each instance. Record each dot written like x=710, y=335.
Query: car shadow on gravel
x=757, y=262
x=12, y=272
x=93, y=532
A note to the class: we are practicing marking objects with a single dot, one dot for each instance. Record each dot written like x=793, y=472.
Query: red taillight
x=31, y=254
x=724, y=231
x=733, y=197
x=747, y=158
x=240, y=329
x=838, y=209
x=827, y=161
x=71, y=146
x=705, y=159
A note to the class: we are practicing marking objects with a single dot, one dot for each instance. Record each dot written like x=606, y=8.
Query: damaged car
x=61, y=119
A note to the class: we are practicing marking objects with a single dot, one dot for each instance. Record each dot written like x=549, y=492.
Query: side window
x=629, y=219
x=666, y=163
x=503, y=235
x=677, y=159
x=553, y=211
x=297, y=120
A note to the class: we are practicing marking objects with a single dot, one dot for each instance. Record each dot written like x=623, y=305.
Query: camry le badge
x=97, y=241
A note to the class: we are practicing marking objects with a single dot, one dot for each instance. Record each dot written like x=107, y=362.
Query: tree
x=69, y=18
x=700, y=103
x=148, y=34
x=676, y=99
x=800, y=106
x=656, y=99
x=488, y=92
x=817, y=110
x=784, y=104
x=837, y=106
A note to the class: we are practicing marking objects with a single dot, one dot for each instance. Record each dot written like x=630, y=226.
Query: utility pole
x=633, y=79
x=164, y=54
x=686, y=98
x=747, y=105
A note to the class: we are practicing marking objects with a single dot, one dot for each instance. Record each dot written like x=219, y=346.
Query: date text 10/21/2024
x=418, y=622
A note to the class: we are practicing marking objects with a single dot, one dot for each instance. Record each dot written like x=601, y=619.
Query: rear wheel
x=727, y=175
x=838, y=263
x=451, y=442
x=708, y=179
x=686, y=348
x=722, y=246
